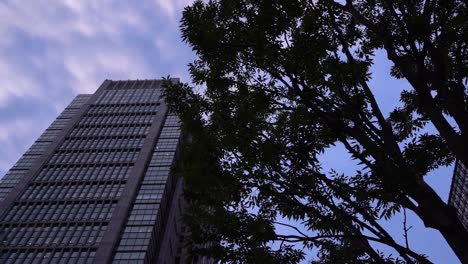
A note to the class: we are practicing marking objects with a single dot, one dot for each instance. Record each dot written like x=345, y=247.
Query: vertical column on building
x=108, y=244
x=148, y=223
x=458, y=196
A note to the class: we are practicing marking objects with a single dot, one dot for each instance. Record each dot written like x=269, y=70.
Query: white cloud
x=172, y=8
x=59, y=21
x=68, y=30
x=12, y=127
x=14, y=83
x=89, y=68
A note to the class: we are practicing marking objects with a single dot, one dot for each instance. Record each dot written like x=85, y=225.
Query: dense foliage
x=284, y=80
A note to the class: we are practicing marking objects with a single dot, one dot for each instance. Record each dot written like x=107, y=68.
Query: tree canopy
x=283, y=81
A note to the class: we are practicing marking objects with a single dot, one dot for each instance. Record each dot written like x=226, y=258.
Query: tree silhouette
x=284, y=81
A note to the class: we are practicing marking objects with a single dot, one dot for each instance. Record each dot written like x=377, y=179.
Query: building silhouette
x=96, y=186
x=458, y=196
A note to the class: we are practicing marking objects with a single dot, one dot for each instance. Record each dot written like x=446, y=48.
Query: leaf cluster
x=286, y=80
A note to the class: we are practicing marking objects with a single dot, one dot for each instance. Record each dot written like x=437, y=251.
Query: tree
x=284, y=81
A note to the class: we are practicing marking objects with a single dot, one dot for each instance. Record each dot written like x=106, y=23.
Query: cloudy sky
x=52, y=50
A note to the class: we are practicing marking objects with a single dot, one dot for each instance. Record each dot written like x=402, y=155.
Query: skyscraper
x=96, y=186
x=458, y=196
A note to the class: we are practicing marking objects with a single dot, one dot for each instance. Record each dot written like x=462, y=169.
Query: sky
x=52, y=50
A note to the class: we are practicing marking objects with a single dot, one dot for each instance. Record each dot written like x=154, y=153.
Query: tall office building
x=96, y=186
x=458, y=196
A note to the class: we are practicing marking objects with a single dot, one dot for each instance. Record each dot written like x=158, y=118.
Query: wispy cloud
x=172, y=8
x=62, y=20
x=69, y=31
x=89, y=67
x=13, y=83
x=52, y=50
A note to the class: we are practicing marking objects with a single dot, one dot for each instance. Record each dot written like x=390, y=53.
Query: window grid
x=55, y=256
x=73, y=191
x=110, y=130
x=167, y=144
x=25, y=162
x=61, y=212
x=170, y=132
x=52, y=235
x=120, y=119
x=38, y=147
x=130, y=96
x=12, y=177
x=84, y=172
x=143, y=224
x=459, y=192
x=84, y=179
x=123, y=108
x=59, y=123
x=125, y=142
x=94, y=156
x=48, y=135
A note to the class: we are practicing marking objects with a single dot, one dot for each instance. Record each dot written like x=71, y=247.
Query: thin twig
x=405, y=228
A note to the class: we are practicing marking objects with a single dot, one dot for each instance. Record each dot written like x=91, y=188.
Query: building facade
x=96, y=186
x=458, y=196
